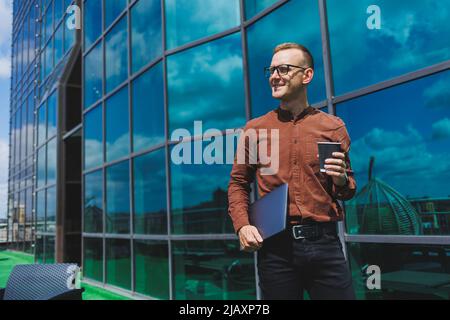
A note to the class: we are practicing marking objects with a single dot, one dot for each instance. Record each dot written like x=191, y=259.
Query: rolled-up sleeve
x=241, y=177
x=347, y=191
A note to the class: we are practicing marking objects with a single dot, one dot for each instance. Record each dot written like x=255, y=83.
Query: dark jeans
x=287, y=267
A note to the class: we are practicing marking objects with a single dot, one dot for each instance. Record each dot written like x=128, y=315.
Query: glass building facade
x=93, y=111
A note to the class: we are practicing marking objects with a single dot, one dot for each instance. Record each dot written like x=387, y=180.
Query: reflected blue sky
x=41, y=166
x=146, y=35
x=253, y=7
x=93, y=75
x=51, y=162
x=189, y=20
x=148, y=109
x=117, y=126
x=264, y=35
x=92, y=21
x=206, y=83
x=112, y=10
x=407, y=130
x=413, y=34
x=93, y=138
x=51, y=115
x=116, y=55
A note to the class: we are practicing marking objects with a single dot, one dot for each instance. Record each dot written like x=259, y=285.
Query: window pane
x=206, y=270
x=206, y=83
x=58, y=10
x=39, y=249
x=41, y=166
x=118, y=198
x=93, y=259
x=69, y=39
x=49, y=249
x=152, y=268
x=93, y=138
x=406, y=42
x=116, y=55
x=112, y=10
x=30, y=125
x=93, y=75
x=48, y=23
x=52, y=115
x=407, y=192
x=40, y=211
x=117, y=128
x=59, y=43
x=42, y=124
x=199, y=194
x=148, y=109
x=49, y=58
x=272, y=30
x=51, y=162
x=51, y=209
x=93, y=202
x=146, y=38
x=189, y=20
x=253, y=7
x=418, y=272
x=118, y=263
x=150, y=193
x=92, y=21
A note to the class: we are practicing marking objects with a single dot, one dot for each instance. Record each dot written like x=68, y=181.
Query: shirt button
x=295, y=141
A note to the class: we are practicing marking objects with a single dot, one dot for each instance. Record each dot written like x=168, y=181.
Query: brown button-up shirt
x=312, y=194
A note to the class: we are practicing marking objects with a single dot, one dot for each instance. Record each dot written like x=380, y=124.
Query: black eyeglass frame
x=268, y=71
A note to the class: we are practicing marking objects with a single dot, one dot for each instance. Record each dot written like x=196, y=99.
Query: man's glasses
x=282, y=69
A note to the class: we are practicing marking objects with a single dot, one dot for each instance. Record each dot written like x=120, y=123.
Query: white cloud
x=4, y=151
x=5, y=67
x=5, y=21
x=5, y=38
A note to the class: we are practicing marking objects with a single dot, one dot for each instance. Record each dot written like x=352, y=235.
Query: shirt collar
x=285, y=115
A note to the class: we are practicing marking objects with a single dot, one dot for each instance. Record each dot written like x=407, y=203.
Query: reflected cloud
x=93, y=153
x=206, y=83
x=116, y=55
x=406, y=42
x=118, y=148
x=437, y=96
x=405, y=162
x=441, y=129
x=146, y=32
x=143, y=142
x=189, y=20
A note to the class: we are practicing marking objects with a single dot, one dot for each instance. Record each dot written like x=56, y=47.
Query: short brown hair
x=292, y=45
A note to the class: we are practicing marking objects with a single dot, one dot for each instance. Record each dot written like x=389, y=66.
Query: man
x=308, y=254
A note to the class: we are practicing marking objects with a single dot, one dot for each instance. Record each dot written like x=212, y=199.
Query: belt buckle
x=297, y=235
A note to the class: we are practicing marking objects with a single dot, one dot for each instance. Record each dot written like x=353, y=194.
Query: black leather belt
x=313, y=231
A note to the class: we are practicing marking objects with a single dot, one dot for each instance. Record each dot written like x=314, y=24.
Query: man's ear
x=308, y=75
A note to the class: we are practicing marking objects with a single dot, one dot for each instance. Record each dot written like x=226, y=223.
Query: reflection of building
x=434, y=214
x=207, y=217
x=379, y=209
